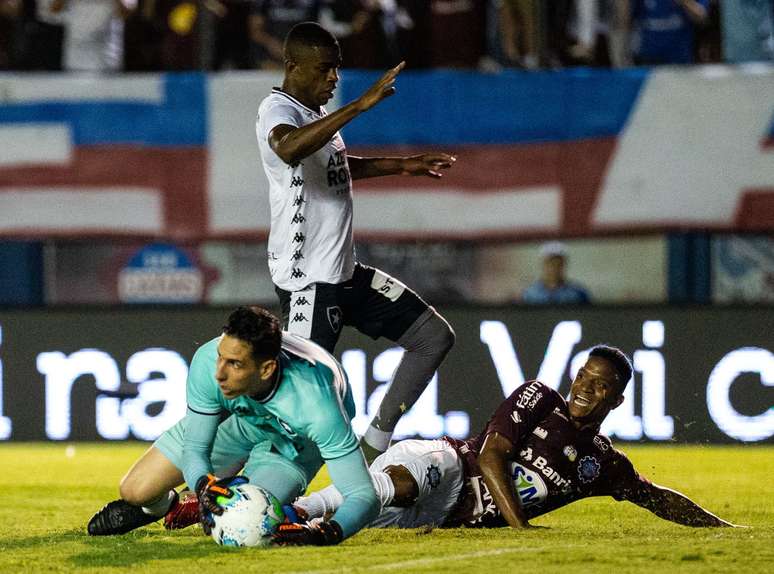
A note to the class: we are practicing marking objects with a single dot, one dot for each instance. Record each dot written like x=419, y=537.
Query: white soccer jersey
x=311, y=202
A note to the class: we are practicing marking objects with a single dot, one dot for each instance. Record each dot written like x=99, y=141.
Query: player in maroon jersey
x=537, y=453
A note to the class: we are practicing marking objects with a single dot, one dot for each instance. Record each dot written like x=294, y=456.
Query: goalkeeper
x=288, y=406
x=537, y=453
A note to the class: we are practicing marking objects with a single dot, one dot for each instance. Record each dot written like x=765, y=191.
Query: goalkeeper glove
x=317, y=534
x=209, y=488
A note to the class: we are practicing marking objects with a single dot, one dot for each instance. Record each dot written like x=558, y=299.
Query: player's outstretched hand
x=317, y=534
x=427, y=164
x=208, y=489
x=382, y=89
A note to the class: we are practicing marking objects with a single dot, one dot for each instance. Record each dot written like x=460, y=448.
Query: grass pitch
x=49, y=491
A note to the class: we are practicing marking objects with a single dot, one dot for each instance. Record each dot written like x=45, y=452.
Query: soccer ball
x=249, y=517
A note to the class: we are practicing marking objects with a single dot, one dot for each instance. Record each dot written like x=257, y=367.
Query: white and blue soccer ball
x=249, y=518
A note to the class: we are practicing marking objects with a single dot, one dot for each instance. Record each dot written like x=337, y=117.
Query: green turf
x=47, y=498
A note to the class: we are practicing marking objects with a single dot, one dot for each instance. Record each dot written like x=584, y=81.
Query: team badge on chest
x=433, y=476
x=588, y=469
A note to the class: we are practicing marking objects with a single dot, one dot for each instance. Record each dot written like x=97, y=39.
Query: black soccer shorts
x=374, y=303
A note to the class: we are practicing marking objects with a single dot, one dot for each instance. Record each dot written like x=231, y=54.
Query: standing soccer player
x=288, y=408
x=311, y=254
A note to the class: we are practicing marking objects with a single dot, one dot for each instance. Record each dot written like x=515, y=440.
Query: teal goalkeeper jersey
x=310, y=407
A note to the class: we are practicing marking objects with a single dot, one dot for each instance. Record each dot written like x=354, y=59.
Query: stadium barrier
x=701, y=374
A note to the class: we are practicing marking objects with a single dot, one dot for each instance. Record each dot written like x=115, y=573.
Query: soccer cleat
x=118, y=517
x=184, y=511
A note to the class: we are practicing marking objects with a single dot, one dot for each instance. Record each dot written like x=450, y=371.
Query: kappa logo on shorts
x=433, y=476
x=334, y=318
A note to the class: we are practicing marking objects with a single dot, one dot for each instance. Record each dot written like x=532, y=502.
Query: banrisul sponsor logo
x=530, y=486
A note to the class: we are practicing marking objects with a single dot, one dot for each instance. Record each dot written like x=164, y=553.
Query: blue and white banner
x=575, y=152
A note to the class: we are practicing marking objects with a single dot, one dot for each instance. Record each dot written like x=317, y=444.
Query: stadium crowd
x=156, y=35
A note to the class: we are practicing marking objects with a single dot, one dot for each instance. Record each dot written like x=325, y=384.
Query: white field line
x=442, y=559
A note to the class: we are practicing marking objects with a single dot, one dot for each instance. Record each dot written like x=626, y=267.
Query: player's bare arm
x=428, y=164
x=675, y=507
x=493, y=462
x=293, y=144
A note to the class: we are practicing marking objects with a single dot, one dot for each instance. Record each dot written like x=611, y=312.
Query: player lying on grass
x=537, y=453
x=290, y=406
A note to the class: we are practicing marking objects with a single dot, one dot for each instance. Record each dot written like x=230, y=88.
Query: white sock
x=317, y=504
x=161, y=506
x=378, y=439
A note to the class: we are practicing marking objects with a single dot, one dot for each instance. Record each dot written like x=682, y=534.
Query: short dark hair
x=257, y=326
x=618, y=358
x=307, y=35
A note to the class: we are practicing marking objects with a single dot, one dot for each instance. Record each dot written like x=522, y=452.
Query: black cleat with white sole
x=118, y=517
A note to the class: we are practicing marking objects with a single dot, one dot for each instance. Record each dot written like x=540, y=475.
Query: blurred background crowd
x=168, y=35
x=582, y=106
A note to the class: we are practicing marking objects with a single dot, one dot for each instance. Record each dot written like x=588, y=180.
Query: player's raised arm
x=675, y=507
x=292, y=144
x=428, y=164
x=493, y=462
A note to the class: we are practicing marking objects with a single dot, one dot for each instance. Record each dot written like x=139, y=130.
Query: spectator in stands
x=269, y=23
x=664, y=30
x=513, y=28
x=162, y=35
x=93, y=34
x=232, y=38
x=10, y=24
x=457, y=33
x=43, y=36
x=748, y=30
x=371, y=32
x=556, y=27
x=709, y=45
x=600, y=33
x=142, y=37
x=553, y=286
